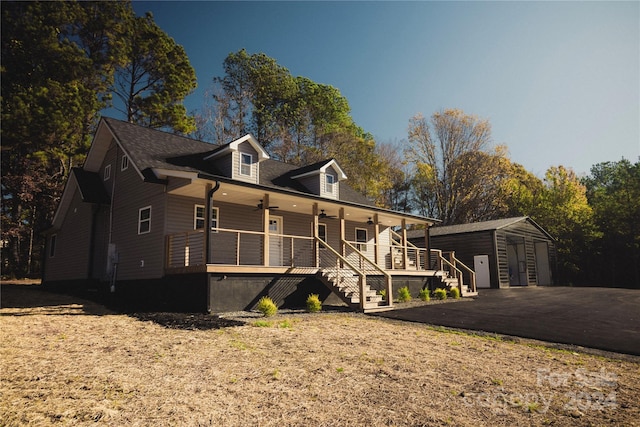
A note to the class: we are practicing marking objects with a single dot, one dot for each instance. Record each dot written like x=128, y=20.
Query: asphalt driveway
x=601, y=318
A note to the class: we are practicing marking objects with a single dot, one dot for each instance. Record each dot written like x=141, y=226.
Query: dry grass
x=71, y=362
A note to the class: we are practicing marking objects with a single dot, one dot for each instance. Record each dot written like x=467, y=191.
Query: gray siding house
x=159, y=219
x=503, y=253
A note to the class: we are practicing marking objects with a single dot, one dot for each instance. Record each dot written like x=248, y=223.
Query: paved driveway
x=602, y=318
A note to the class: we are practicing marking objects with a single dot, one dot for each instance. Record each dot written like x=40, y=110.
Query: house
x=503, y=253
x=167, y=221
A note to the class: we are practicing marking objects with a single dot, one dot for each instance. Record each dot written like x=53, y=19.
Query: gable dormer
x=321, y=179
x=240, y=159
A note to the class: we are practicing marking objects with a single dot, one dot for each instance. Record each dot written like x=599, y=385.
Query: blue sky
x=559, y=81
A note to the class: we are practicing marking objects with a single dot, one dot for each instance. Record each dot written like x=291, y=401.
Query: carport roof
x=474, y=227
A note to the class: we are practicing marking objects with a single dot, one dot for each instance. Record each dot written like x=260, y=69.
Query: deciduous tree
x=457, y=175
x=613, y=191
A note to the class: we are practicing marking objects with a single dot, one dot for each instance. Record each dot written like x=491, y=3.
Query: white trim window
x=246, y=161
x=107, y=172
x=52, y=245
x=330, y=181
x=322, y=234
x=362, y=238
x=199, y=219
x=124, y=165
x=144, y=220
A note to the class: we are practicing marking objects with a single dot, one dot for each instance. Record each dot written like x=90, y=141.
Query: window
x=107, y=172
x=322, y=232
x=144, y=220
x=245, y=164
x=361, y=237
x=52, y=245
x=199, y=219
x=330, y=183
x=125, y=163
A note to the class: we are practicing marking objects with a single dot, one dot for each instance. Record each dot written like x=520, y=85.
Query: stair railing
x=362, y=277
x=363, y=259
x=462, y=266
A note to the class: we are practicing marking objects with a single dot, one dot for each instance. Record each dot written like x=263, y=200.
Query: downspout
x=207, y=242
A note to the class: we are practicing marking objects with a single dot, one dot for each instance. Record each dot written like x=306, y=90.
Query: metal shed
x=503, y=253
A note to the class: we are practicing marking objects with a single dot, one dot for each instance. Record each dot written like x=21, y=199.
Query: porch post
x=314, y=233
x=376, y=236
x=405, y=258
x=265, y=229
x=207, y=224
x=426, y=245
x=342, y=232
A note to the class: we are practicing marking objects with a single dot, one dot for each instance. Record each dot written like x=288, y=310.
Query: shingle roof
x=467, y=228
x=149, y=148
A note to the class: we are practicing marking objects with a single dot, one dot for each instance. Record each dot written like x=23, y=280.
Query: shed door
x=481, y=267
x=275, y=241
x=542, y=263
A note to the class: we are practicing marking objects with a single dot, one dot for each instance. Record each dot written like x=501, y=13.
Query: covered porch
x=356, y=250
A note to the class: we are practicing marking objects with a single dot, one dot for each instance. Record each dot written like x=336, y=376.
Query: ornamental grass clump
x=454, y=293
x=267, y=307
x=313, y=303
x=440, y=294
x=403, y=294
x=424, y=294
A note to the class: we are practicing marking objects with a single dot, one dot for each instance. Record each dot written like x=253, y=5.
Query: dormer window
x=330, y=182
x=246, y=160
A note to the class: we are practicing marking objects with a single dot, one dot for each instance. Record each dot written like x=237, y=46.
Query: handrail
x=409, y=244
x=458, y=274
x=472, y=274
x=363, y=256
x=387, y=276
x=337, y=254
x=362, y=276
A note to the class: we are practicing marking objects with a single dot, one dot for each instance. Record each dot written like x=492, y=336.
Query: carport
x=503, y=253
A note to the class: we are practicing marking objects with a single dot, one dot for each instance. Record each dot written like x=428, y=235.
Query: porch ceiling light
x=370, y=222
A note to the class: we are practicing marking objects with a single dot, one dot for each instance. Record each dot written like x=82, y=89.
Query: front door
x=275, y=241
x=481, y=267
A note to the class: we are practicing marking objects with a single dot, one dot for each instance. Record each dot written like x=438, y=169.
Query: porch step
x=377, y=309
x=346, y=285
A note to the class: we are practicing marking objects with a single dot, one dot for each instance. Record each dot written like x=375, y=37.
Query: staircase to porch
x=449, y=282
x=346, y=285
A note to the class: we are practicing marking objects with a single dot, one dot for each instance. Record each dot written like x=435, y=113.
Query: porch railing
x=244, y=247
x=409, y=256
x=239, y=247
x=447, y=261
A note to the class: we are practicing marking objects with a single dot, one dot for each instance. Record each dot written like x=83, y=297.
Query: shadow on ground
x=28, y=299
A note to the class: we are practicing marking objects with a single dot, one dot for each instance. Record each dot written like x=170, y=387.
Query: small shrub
x=383, y=293
x=262, y=324
x=285, y=324
x=424, y=295
x=454, y=293
x=403, y=294
x=440, y=294
x=267, y=307
x=313, y=303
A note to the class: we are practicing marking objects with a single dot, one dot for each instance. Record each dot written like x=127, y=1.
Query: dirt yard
x=65, y=361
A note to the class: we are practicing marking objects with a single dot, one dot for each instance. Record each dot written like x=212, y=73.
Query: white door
x=481, y=267
x=542, y=263
x=275, y=241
